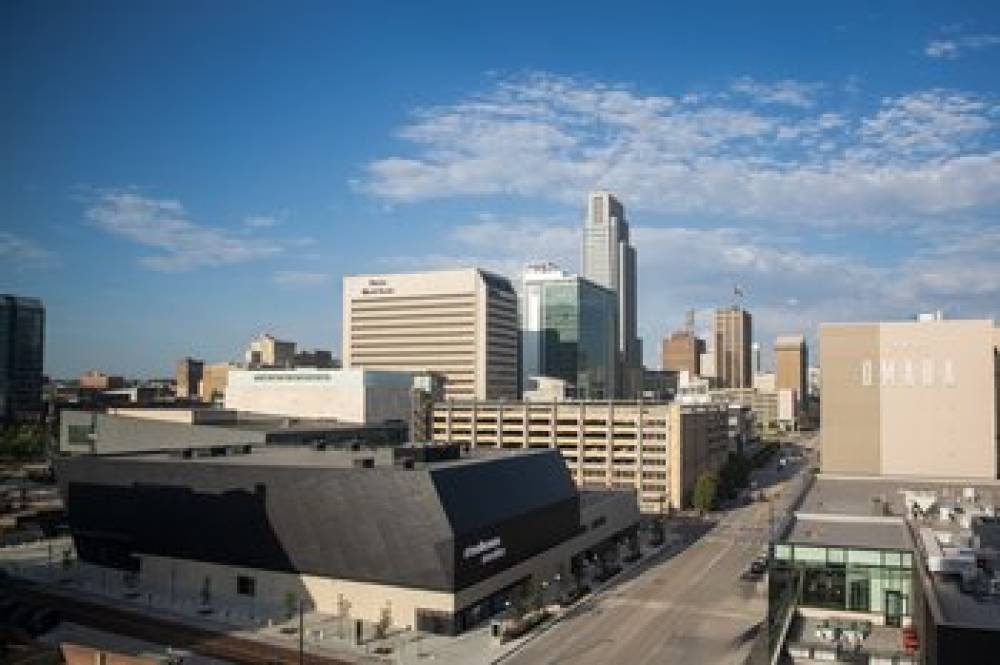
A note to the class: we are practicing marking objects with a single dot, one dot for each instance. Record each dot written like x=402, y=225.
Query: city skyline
x=170, y=206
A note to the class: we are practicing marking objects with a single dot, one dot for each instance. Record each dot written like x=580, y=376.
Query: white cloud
x=954, y=47
x=20, y=252
x=164, y=225
x=300, y=278
x=932, y=123
x=548, y=137
x=788, y=92
x=788, y=288
x=260, y=222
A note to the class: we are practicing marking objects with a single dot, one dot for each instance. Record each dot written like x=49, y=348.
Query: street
x=692, y=608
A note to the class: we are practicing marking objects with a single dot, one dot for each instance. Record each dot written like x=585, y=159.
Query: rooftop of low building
x=334, y=457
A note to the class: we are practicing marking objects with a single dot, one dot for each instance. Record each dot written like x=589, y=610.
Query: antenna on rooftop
x=737, y=296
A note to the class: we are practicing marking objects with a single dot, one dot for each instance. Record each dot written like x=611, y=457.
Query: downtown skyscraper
x=22, y=349
x=733, y=337
x=609, y=260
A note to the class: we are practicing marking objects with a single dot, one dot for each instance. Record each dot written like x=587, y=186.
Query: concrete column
x=474, y=423
x=609, y=444
x=554, y=423
x=525, y=425
x=500, y=425
x=638, y=447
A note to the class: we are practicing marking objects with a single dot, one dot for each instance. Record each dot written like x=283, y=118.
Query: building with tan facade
x=791, y=362
x=733, y=336
x=682, y=352
x=910, y=398
x=214, y=379
x=461, y=324
x=94, y=380
x=656, y=450
x=268, y=351
x=188, y=378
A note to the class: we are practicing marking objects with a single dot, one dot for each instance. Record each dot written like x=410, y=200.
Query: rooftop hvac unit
x=994, y=586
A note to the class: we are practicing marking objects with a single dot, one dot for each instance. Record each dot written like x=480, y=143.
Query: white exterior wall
x=350, y=395
x=786, y=406
x=183, y=581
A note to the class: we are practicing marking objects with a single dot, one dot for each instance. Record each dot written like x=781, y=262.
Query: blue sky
x=178, y=177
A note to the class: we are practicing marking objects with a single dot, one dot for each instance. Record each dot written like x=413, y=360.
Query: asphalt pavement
x=689, y=609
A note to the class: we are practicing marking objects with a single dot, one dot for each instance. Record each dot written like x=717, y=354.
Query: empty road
x=691, y=609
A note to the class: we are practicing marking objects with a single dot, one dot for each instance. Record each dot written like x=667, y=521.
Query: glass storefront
x=851, y=579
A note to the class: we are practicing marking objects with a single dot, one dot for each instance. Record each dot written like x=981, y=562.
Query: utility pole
x=302, y=636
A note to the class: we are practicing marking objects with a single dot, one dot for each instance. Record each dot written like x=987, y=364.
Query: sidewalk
x=37, y=563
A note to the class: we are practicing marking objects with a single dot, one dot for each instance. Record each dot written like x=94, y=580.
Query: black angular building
x=438, y=538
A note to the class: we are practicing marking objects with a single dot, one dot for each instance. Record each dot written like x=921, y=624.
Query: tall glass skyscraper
x=22, y=342
x=609, y=260
x=568, y=331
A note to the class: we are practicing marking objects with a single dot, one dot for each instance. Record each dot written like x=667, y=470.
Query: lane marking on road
x=687, y=608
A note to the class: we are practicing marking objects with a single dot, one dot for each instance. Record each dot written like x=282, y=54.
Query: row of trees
x=712, y=488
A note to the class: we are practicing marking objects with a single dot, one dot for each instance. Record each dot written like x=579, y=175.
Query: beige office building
x=916, y=398
x=657, y=450
x=733, y=335
x=682, y=352
x=269, y=351
x=188, y=378
x=791, y=361
x=214, y=379
x=460, y=324
x=764, y=404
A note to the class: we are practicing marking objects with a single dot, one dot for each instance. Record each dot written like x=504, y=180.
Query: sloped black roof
x=392, y=525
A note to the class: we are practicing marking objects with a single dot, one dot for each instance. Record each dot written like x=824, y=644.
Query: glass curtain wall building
x=848, y=579
x=22, y=342
x=568, y=327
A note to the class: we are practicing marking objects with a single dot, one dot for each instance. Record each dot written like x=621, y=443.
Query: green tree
x=23, y=442
x=528, y=597
x=705, y=491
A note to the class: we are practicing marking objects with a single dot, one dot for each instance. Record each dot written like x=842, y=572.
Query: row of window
x=813, y=555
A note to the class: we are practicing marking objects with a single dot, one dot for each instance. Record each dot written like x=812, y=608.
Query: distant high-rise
x=267, y=351
x=791, y=362
x=461, y=324
x=754, y=359
x=568, y=329
x=609, y=260
x=22, y=347
x=188, y=377
x=682, y=352
x=733, y=335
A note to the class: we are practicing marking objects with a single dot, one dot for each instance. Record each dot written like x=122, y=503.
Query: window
x=246, y=585
x=865, y=557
